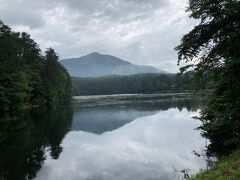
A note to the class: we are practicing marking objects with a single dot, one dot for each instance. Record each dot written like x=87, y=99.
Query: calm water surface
x=122, y=137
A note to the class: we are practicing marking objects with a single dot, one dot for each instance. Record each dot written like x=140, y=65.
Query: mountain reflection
x=99, y=119
x=28, y=140
x=26, y=136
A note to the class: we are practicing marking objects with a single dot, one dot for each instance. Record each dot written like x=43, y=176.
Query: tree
x=138, y=83
x=57, y=80
x=214, y=47
x=14, y=86
x=27, y=78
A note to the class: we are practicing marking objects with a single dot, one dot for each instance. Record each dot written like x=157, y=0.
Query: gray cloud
x=143, y=32
x=24, y=13
x=26, y=19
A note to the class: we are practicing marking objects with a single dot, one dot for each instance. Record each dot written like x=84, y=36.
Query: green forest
x=139, y=83
x=213, y=46
x=29, y=78
x=215, y=42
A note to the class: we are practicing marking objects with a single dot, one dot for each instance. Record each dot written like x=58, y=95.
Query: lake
x=116, y=137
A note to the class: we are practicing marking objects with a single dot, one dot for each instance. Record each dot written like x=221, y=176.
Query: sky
x=143, y=32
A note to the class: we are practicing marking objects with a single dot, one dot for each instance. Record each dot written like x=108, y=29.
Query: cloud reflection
x=147, y=148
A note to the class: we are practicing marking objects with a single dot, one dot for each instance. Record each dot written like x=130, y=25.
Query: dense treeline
x=140, y=83
x=27, y=77
x=215, y=45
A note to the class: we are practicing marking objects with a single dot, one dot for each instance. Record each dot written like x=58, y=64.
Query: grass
x=228, y=168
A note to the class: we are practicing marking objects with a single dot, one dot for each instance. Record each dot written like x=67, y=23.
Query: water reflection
x=151, y=147
x=124, y=138
x=25, y=138
x=95, y=118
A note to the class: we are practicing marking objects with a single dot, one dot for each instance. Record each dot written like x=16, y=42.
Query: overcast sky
x=140, y=31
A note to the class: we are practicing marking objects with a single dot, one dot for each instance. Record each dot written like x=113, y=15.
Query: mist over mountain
x=96, y=64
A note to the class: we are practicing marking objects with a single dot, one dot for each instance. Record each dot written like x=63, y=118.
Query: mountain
x=96, y=64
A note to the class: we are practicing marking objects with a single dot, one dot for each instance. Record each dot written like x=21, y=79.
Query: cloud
x=143, y=32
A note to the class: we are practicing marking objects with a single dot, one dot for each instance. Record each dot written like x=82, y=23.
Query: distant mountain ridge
x=96, y=64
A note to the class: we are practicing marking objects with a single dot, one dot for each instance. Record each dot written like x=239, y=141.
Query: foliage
x=140, y=83
x=57, y=80
x=228, y=168
x=27, y=78
x=214, y=47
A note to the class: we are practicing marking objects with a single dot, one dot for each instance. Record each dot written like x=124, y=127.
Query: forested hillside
x=29, y=78
x=140, y=83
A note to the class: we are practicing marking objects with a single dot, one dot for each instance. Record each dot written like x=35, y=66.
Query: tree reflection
x=26, y=136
